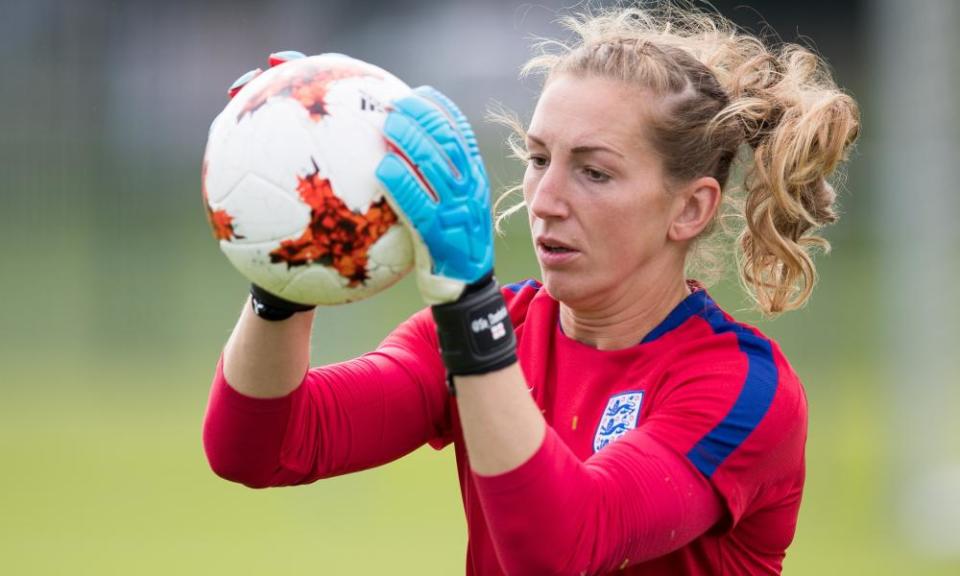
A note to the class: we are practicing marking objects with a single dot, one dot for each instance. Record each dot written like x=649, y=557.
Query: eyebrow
x=578, y=149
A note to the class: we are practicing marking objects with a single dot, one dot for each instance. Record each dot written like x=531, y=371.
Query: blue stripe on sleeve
x=751, y=405
x=517, y=286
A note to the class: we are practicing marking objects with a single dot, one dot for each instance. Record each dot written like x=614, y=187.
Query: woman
x=642, y=429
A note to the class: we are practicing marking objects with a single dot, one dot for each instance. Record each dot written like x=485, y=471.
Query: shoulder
x=737, y=378
x=711, y=344
x=730, y=401
x=766, y=386
x=520, y=292
x=521, y=297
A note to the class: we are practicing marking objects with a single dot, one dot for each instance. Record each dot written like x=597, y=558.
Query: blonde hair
x=725, y=98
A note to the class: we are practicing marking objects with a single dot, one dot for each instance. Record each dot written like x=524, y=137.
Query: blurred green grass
x=107, y=354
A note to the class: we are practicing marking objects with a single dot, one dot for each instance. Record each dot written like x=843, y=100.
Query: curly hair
x=728, y=103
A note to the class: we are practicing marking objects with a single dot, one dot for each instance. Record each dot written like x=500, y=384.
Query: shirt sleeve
x=633, y=501
x=740, y=418
x=342, y=418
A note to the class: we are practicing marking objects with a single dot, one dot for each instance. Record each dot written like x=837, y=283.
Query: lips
x=553, y=245
x=555, y=254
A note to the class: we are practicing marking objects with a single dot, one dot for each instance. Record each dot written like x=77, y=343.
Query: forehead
x=577, y=110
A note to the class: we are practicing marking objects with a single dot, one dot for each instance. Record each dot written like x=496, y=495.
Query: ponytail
x=799, y=127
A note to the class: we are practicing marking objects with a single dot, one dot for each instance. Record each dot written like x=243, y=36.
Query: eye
x=595, y=175
x=537, y=160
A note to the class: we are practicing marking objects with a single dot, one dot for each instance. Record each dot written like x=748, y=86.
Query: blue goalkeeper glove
x=435, y=178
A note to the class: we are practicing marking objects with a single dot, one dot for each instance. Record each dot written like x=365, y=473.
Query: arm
x=502, y=425
x=634, y=501
x=270, y=420
x=265, y=359
x=337, y=419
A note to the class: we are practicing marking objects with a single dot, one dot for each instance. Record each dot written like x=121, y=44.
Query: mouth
x=555, y=249
x=553, y=252
x=553, y=246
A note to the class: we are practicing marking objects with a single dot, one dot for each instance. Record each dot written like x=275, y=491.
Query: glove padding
x=437, y=184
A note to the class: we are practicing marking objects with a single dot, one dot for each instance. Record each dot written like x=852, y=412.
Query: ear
x=696, y=204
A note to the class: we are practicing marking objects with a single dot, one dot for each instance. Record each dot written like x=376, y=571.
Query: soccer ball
x=290, y=187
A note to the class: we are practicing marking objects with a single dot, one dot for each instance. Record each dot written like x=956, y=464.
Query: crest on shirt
x=619, y=417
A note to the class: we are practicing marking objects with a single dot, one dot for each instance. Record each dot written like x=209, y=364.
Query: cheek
x=632, y=230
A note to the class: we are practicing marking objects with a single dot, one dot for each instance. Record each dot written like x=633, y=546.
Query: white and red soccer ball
x=289, y=180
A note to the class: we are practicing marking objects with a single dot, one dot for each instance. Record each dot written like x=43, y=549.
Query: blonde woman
x=609, y=417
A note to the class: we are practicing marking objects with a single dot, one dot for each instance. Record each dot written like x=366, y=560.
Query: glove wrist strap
x=273, y=308
x=476, y=334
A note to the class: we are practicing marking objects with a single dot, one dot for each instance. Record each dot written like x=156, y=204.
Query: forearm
x=502, y=425
x=343, y=417
x=635, y=501
x=265, y=359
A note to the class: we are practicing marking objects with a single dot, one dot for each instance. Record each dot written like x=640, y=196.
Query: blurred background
x=116, y=300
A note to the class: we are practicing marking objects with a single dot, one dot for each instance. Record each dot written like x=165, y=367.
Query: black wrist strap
x=476, y=334
x=271, y=307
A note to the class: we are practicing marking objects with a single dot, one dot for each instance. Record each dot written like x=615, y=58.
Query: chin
x=580, y=289
x=563, y=287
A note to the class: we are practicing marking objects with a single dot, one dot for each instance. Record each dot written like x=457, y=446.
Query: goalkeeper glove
x=436, y=182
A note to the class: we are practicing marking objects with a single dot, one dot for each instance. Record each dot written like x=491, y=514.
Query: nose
x=548, y=194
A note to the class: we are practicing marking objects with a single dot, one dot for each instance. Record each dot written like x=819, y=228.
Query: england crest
x=619, y=417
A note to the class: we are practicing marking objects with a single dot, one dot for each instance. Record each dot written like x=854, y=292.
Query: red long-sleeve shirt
x=680, y=455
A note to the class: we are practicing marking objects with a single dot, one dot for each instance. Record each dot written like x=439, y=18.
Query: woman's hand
x=437, y=183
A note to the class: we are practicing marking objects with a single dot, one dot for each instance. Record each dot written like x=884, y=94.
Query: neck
x=623, y=320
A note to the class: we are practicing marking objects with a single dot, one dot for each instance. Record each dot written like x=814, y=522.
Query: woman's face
x=595, y=192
